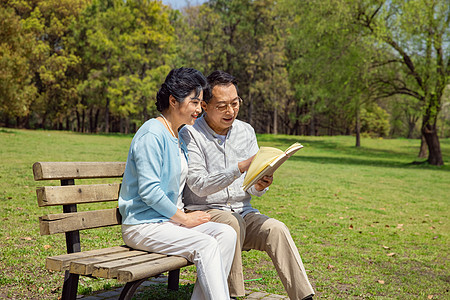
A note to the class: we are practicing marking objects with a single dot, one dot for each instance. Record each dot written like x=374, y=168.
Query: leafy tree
x=16, y=46
x=329, y=65
x=374, y=121
x=416, y=32
x=49, y=61
x=126, y=49
x=201, y=38
x=405, y=113
x=251, y=47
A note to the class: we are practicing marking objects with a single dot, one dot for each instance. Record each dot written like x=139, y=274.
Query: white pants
x=210, y=246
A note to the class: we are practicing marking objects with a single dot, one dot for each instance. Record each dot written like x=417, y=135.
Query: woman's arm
x=148, y=157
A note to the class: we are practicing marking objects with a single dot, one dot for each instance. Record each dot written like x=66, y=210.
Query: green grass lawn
x=367, y=222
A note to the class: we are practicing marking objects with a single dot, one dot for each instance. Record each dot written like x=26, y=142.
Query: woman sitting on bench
x=151, y=192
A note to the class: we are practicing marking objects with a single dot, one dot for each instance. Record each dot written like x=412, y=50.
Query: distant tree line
x=330, y=67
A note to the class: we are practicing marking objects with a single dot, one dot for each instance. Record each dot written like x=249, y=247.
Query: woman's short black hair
x=180, y=83
x=218, y=78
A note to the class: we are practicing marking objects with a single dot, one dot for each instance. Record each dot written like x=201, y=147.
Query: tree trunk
x=296, y=128
x=107, y=116
x=275, y=121
x=83, y=117
x=250, y=109
x=78, y=120
x=91, y=121
x=411, y=126
x=312, y=122
x=429, y=131
x=6, y=120
x=26, y=122
x=423, y=152
x=144, y=109
x=97, y=113
x=44, y=119
x=127, y=125
x=434, y=147
x=68, y=123
x=358, y=129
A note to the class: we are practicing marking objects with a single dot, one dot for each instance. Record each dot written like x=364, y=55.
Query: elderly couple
x=182, y=190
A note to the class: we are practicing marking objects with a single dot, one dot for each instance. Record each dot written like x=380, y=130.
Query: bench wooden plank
x=77, y=170
x=85, y=266
x=151, y=268
x=59, y=223
x=76, y=194
x=110, y=269
x=62, y=262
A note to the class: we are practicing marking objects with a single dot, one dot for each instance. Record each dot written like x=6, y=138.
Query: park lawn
x=367, y=222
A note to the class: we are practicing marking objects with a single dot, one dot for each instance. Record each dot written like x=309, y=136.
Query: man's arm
x=199, y=179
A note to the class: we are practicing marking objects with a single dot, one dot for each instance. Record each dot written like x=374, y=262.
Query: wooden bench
x=121, y=262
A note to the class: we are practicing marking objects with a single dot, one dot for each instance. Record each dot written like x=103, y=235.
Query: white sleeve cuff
x=236, y=172
x=253, y=191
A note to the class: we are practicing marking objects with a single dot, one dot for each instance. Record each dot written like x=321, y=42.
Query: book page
x=263, y=158
x=266, y=162
x=293, y=148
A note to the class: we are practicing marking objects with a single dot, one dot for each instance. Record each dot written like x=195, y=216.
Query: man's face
x=222, y=109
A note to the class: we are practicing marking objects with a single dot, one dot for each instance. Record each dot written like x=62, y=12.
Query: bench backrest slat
x=65, y=222
x=77, y=194
x=77, y=170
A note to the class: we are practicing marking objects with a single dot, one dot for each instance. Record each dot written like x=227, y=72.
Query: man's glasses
x=223, y=107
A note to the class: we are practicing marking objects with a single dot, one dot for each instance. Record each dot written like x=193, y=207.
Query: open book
x=266, y=162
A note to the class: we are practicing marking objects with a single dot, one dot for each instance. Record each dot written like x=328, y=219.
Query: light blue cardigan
x=151, y=182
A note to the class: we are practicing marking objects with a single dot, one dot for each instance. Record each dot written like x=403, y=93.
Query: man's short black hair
x=218, y=77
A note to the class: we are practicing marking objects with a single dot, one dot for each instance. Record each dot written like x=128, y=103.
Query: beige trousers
x=259, y=232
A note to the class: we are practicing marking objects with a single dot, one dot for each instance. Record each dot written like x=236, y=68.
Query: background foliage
x=328, y=67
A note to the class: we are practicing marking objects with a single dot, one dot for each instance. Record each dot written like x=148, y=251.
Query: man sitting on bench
x=220, y=151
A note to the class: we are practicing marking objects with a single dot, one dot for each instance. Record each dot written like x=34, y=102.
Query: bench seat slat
x=109, y=269
x=85, y=266
x=77, y=170
x=77, y=194
x=151, y=268
x=65, y=222
x=62, y=262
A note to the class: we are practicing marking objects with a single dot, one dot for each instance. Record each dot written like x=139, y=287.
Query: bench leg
x=173, y=280
x=70, y=286
x=129, y=289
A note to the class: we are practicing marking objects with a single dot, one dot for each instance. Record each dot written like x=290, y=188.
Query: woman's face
x=190, y=108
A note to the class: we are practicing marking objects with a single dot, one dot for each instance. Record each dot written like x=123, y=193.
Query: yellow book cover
x=267, y=160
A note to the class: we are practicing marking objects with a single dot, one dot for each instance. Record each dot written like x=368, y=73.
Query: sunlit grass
x=367, y=222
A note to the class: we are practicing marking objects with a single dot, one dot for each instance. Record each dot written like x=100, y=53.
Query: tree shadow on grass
x=346, y=154
x=340, y=146
x=367, y=162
